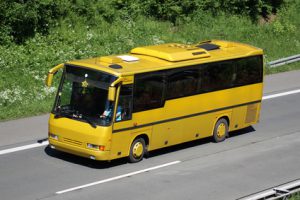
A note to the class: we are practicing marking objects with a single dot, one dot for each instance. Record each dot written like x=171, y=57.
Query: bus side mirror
x=112, y=93
x=51, y=73
x=49, y=79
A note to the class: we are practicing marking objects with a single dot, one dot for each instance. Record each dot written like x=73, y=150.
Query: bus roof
x=166, y=56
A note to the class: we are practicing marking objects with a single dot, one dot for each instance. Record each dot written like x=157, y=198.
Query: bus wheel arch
x=227, y=119
x=221, y=128
x=138, y=148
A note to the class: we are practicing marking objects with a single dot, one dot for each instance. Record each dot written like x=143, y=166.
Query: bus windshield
x=82, y=96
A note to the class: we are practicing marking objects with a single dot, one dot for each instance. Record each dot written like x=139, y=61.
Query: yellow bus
x=153, y=97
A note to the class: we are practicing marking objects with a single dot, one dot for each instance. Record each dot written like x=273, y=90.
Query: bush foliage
x=22, y=19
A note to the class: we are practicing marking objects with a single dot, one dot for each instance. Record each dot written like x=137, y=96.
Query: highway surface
x=266, y=155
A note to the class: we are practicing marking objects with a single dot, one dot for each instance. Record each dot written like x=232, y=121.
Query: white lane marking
x=6, y=151
x=281, y=94
x=117, y=177
x=21, y=148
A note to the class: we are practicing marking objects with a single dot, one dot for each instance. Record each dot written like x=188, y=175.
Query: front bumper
x=79, y=151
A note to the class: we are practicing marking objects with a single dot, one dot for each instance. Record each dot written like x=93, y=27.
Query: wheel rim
x=221, y=130
x=138, y=150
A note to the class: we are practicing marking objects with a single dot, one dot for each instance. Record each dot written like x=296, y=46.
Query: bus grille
x=71, y=141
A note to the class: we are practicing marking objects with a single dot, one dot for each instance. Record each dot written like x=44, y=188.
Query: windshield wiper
x=64, y=113
x=88, y=120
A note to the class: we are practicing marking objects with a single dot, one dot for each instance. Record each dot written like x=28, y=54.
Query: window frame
x=130, y=106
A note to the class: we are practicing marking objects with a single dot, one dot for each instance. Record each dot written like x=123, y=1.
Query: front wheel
x=220, y=130
x=137, y=150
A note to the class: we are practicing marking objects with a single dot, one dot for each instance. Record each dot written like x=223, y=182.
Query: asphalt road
x=266, y=155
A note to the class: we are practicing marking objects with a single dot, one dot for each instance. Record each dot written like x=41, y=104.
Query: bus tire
x=220, y=130
x=137, y=150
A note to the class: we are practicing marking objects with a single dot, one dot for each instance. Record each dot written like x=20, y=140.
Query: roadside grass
x=284, y=68
x=295, y=196
x=23, y=68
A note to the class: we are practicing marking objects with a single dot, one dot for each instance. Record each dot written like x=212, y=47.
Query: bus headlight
x=96, y=147
x=53, y=136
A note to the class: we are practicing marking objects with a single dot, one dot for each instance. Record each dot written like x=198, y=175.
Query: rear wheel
x=137, y=150
x=220, y=130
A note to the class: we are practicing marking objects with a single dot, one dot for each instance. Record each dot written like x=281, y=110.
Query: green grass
x=284, y=68
x=295, y=196
x=23, y=68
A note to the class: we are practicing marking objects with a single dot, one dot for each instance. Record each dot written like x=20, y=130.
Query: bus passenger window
x=182, y=83
x=148, y=91
x=211, y=76
x=249, y=71
x=218, y=76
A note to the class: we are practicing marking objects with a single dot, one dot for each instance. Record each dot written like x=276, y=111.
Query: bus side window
x=124, y=109
x=227, y=74
x=148, y=91
x=218, y=76
x=249, y=71
x=255, y=64
x=211, y=73
x=182, y=83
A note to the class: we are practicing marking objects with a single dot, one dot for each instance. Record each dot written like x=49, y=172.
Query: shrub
x=22, y=19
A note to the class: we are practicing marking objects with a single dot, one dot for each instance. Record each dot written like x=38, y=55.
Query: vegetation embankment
x=36, y=35
x=295, y=196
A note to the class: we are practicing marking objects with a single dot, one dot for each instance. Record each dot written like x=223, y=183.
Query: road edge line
x=281, y=94
x=117, y=177
x=25, y=147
